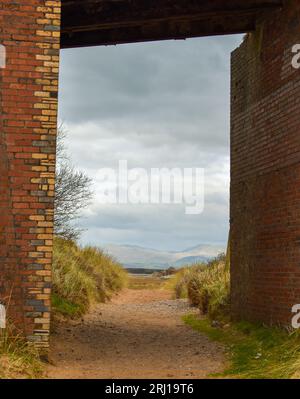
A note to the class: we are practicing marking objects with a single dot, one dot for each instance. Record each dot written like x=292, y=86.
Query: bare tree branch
x=72, y=192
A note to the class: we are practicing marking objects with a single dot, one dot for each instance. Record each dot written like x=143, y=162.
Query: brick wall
x=265, y=167
x=29, y=29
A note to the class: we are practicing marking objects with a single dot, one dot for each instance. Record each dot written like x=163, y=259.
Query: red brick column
x=29, y=29
x=265, y=162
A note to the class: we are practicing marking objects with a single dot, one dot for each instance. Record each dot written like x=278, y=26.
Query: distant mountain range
x=139, y=257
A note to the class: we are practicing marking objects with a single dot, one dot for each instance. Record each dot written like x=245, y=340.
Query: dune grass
x=18, y=359
x=83, y=276
x=206, y=285
x=178, y=281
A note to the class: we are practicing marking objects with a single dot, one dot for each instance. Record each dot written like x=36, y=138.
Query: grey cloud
x=154, y=104
x=145, y=225
x=167, y=81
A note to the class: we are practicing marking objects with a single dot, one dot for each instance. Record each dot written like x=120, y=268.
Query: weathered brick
x=26, y=83
x=265, y=170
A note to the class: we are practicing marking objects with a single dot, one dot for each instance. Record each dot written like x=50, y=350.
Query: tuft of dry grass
x=18, y=359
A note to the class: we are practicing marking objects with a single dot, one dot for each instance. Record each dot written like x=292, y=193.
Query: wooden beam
x=156, y=31
x=105, y=22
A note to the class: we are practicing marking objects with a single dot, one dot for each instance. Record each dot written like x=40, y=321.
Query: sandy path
x=138, y=335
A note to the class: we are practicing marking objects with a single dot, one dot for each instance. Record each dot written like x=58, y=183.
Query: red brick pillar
x=265, y=164
x=29, y=30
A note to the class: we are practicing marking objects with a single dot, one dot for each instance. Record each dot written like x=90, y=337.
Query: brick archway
x=265, y=140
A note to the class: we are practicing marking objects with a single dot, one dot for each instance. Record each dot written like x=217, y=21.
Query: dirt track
x=138, y=335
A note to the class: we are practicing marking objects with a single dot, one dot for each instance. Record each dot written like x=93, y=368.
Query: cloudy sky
x=162, y=104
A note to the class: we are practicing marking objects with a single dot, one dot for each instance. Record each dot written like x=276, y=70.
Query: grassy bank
x=82, y=276
x=17, y=358
x=206, y=285
x=254, y=351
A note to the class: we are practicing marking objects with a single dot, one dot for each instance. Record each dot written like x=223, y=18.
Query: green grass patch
x=66, y=308
x=254, y=351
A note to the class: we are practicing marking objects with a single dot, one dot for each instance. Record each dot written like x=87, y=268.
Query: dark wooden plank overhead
x=106, y=22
